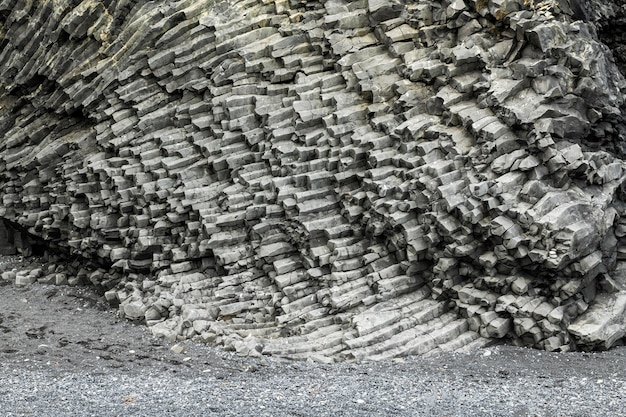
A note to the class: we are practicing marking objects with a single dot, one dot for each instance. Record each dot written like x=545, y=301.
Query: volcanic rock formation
x=323, y=179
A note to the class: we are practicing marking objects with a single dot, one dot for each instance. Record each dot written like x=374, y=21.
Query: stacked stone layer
x=326, y=179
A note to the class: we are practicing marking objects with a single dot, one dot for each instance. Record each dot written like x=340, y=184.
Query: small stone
x=178, y=348
x=42, y=349
x=9, y=275
x=24, y=280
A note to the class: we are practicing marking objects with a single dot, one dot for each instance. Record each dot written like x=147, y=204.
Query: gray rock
x=603, y=324
x=322, y=179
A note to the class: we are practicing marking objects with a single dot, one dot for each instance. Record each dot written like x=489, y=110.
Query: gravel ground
x=64, y=353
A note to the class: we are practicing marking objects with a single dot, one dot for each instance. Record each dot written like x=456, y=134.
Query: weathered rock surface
x=326, y=179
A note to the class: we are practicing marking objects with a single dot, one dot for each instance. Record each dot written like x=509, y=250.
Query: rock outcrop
x=324, y=179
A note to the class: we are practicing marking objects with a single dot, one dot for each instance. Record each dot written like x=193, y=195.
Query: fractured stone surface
x=335, y=180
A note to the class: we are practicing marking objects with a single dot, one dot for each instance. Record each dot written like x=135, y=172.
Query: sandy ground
x=53, y=332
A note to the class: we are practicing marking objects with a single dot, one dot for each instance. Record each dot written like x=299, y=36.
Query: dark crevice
x=38, y=82
x=616, y=41
x=41, y=93
x=612, y=32
x=610, y=21
x=63, y=37
x=14, y=239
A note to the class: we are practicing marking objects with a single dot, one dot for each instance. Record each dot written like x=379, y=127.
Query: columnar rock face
x=324, y=179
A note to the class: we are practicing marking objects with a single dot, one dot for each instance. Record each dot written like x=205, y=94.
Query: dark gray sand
x=63, y=352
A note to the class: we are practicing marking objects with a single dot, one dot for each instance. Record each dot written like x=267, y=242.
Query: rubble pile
x=323, y=179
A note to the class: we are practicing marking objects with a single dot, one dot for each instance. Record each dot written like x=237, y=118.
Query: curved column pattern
x=323, y=179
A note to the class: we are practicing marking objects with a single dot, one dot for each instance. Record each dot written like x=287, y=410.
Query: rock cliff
x=323, y=179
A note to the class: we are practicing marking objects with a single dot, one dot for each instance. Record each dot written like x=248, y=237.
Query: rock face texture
x=323, y=179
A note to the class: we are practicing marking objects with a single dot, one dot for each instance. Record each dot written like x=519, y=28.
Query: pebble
x=178, y=348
